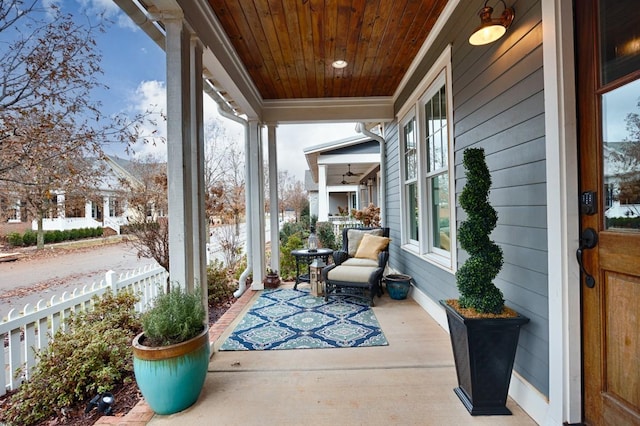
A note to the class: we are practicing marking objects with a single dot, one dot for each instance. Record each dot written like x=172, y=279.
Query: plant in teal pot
x=171, y=355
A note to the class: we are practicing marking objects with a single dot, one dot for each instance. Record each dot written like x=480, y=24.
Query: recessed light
x=339, y=64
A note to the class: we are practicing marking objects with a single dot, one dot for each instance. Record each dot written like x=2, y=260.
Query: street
x=52, y=273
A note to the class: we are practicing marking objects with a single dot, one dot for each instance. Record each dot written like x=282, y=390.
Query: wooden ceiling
x=288, y=46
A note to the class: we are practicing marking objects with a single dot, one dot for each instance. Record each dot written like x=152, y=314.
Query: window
x=426, y=151
x=410, y=149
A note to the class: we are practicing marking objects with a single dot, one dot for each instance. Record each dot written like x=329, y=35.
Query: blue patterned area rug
x=294, y=319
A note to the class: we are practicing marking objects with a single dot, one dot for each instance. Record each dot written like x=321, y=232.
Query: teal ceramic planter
x=170, y=378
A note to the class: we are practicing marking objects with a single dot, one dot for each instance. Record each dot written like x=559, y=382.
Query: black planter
x=483, y=350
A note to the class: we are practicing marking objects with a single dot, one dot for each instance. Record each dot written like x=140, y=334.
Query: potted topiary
x=484, y=333
x=171, y=355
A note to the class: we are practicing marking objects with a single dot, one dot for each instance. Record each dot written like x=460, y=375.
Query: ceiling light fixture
x=339, y=64
x=491, y=29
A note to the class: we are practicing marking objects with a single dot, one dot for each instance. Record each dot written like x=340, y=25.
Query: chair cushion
x=370, y=246
x=360, y=262
x=353, y=274
x=354, y=236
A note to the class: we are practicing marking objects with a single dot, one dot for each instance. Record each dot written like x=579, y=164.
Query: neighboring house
x=344, y=175
x=110, y=211
x=537, y=101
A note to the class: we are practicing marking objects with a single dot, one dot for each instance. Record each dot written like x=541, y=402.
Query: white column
x=180, y=189
x=196, y=170
x=565, y=384
x=105, y=208
x=273, y=195
x=323, y=195
x=255, y=211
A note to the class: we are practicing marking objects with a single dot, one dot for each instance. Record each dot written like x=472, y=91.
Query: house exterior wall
x=498, y=104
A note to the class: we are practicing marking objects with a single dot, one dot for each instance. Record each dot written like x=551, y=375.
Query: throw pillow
x=371, y=246
x=354, y=236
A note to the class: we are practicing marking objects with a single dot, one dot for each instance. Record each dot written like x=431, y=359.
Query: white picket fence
x=27, y=331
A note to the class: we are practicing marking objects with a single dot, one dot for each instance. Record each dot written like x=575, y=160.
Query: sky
x=134, y=71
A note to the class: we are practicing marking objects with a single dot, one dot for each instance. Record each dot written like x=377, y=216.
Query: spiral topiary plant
x=475, y=277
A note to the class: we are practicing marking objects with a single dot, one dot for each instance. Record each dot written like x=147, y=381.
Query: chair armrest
x=383, y=258
x=340, y=256
x=325, y=271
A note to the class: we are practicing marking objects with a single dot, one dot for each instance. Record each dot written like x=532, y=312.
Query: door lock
x=588, y=240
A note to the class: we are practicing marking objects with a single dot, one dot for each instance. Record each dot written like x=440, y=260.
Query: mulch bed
x=126, y=396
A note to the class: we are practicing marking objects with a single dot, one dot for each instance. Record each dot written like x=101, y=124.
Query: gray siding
x=498, y=104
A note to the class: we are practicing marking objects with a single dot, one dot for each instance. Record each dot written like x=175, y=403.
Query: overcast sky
x=134, y=71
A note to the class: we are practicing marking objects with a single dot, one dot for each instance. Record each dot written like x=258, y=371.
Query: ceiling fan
x=350, y=173
x=344, y=182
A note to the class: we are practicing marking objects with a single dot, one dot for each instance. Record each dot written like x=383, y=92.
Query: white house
x=344, y=175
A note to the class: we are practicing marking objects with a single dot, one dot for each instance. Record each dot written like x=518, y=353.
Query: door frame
x=562, y=166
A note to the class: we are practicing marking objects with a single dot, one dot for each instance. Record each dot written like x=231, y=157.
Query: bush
x=15, y=239
x=175, y=317
x=289, y=229
x=29, y=238
x=219, y=283
x=326, y=235
x=93, y=356
x=287, y=261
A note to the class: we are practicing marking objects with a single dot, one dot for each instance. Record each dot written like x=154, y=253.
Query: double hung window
x=426, y=151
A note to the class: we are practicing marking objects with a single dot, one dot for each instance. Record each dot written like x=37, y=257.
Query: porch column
x=105, y=208
x=184, y=156
x=198, y=214
x=255, y=211
x=273, y=195
x=323, y=194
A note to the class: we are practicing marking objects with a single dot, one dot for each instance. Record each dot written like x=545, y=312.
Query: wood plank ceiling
x=288, y=46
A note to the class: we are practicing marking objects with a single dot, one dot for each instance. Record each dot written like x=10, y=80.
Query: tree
x=292, y=194
x=49, y=126
x=146, y=198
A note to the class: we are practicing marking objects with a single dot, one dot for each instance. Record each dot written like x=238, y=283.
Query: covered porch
x=408, y=382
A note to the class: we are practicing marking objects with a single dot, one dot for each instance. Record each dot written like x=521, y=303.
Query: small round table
x=306, y=256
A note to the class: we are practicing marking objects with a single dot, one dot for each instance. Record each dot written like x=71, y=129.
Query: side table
x=305, y=257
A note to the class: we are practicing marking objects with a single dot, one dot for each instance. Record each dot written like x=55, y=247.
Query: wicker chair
x=359, y=265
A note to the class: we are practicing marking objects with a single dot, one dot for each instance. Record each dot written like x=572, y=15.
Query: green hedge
x=29, y=238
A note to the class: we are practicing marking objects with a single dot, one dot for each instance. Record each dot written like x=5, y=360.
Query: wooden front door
x=608, y=78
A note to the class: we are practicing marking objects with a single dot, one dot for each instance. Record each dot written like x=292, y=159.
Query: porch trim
x=565, y=359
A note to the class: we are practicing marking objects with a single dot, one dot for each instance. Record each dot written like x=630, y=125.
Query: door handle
x=588, y=240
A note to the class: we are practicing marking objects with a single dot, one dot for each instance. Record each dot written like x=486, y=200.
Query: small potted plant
x=272, y=280
x=484, y=333
x=171, y=355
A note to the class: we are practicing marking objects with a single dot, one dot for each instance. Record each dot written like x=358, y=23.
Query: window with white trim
x=426, y=150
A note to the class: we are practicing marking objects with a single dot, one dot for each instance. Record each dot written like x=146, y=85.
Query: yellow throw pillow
x=354, y=236
x=371, y=246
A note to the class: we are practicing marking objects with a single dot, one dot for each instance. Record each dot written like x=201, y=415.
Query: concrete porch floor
x=409, y=382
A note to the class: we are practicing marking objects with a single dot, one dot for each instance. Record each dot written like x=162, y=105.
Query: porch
x=410, y=381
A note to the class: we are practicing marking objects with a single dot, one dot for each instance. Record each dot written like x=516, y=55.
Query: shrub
x=287, y=261
x=219, y=283
x=29, y=238
x=15, y=239
x=475, y=277
x=289, y=229
x=176, y=316
x=240, y=267
x=326, y=235
x=93, y=356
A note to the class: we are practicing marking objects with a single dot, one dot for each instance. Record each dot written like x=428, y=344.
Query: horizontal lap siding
x=498, y=103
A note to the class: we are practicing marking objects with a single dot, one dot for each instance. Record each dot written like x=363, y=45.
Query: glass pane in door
x=621, y=157
x=619, y=39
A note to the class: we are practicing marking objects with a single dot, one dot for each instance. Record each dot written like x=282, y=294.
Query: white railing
x=29, y=331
